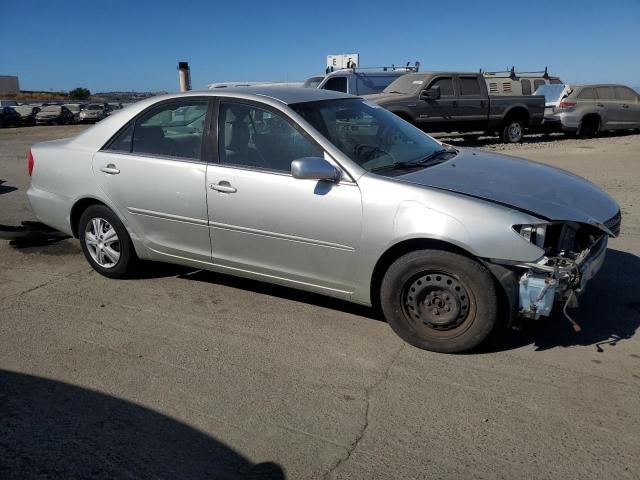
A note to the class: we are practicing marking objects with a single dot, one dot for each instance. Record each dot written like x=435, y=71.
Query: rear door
x=438, y=115
x=471, y=114
x=610, y=108
x=154, y=175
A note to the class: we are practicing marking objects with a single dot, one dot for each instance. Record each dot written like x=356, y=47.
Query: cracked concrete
x=365, y=424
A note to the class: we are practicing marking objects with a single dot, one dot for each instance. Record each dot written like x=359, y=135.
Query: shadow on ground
x=53, y=430
x=6, y=188
x=609, y=313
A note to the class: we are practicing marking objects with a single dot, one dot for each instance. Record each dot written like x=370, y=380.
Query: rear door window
x=606, y=93
x=171, y=130
x=445, y=84
x=469, y=86
x=337, y=84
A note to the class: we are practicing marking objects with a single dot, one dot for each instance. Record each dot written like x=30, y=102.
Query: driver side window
x=259, y=138
x=445, y=84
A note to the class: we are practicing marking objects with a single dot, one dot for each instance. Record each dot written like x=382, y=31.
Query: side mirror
x=432, y=93
x=314, y=168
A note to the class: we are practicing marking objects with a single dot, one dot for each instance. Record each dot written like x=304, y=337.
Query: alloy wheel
x=102, y=242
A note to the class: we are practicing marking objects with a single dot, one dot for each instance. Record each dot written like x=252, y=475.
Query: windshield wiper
x=416, y=164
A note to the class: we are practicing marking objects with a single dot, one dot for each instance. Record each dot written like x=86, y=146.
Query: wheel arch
x=402, y=248
x=505, y=279
x=517, y=111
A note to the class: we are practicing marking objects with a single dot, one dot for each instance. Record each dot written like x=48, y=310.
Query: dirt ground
x=180, y=373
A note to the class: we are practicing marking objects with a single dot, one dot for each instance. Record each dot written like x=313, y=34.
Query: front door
x=438, y=115
x=153, y=176
x=265, y=223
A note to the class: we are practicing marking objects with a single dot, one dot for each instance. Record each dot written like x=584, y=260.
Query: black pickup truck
x=459, y=102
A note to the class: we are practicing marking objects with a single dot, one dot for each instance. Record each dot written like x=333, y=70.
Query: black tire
x=461, y=290
x=127, y=256
x=589, y=127
x=512, y=131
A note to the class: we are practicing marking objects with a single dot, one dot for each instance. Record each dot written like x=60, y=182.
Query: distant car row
x=48, y=114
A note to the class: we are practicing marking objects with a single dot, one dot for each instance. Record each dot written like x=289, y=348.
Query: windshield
x=407, y=84
x=312, y=82
x=52, y=108
x=73, y=108
x=95, y=107
x=552, y=93
x=24, y=110
x=371, y=136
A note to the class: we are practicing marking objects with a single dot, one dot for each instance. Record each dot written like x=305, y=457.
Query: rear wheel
x=439, y=301
x=589, y=127
x=512, y=131
x=105, y=242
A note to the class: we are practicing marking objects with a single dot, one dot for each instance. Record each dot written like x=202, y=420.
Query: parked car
x=9, y=117
x=27, y=114
x=76, y=109
x=459, y=102
x=54, y=115
x=511, y=82
x=93, y=113
x=360, y=82
x=586, y=110
x=288, y=187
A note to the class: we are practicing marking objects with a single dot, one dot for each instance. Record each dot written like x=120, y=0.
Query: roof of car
x=286, y=95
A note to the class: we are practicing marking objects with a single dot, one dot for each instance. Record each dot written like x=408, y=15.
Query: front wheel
x=105, y=242
x=513, y=131
x=439, y=301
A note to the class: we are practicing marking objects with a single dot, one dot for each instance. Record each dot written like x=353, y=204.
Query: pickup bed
x=459, y=102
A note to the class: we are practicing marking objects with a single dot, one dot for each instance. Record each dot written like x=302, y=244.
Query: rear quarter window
x=587, y=94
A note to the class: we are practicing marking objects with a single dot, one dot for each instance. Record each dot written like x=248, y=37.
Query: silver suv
x=586, y=110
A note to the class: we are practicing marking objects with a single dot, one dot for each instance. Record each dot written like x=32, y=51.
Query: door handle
x=110, y=169
x=223, y=186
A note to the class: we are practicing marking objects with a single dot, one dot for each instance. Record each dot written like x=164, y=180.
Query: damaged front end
x=573, y=254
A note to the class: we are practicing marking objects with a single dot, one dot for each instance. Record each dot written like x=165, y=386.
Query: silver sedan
x=326, y=192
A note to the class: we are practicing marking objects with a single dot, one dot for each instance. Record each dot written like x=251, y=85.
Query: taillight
x=566, y=104
x=30, y=162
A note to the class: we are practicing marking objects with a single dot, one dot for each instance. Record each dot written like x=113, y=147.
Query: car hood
x=385, y=98
x=532, y=187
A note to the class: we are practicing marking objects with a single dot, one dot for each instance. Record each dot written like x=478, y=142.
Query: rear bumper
x=51, y=209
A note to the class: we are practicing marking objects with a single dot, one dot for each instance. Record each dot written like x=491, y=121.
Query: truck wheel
x=439, y=301
x=513, y=131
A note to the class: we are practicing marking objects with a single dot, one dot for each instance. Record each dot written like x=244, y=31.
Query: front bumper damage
x=558, y=280
x=574, y=253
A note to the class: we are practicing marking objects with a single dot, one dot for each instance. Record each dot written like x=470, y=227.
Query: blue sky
x=136, y=45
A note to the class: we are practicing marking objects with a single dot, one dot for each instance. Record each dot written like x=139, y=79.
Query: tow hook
x=572, y=302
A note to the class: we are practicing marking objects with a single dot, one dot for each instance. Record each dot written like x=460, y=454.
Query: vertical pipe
x=184, y=76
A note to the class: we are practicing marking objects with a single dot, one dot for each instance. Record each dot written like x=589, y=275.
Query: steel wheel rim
x=438, y=303
x=102, y=242
x=515, y=131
